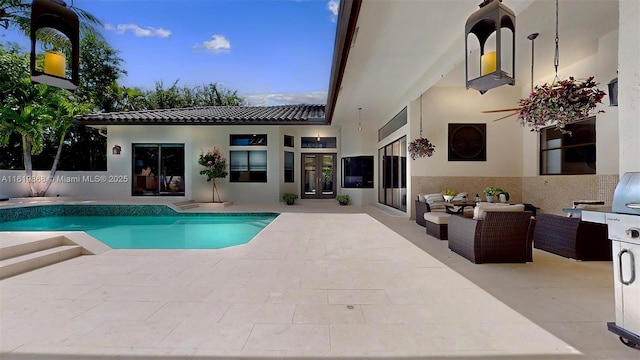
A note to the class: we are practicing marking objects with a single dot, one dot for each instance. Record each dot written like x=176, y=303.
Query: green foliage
x=183, y=96
x=17, y=14
x=500, y=191
x=490, y=191
x=100, y=67
x=215, y=165
x=289, y=198
x=343, y=199
x=449, y=192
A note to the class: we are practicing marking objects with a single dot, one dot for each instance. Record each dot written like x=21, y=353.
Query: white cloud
x=217, y=44
x=138, y=31
x=333, y=6
x=317, y=97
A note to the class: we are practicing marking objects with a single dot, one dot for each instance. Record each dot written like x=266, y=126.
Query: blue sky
x=271, y=51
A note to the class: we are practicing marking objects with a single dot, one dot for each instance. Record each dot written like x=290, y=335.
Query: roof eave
x=346, y=26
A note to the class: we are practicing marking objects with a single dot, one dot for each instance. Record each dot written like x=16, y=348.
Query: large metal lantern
x=494, y=64
x=55, y=15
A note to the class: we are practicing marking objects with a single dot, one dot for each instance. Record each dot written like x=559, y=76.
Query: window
x=319, y=143
x=569, y=154
x=394, y=124
x=158, y=169
x=248, y=140
x=288, y=141
x=248, y=166
x=288, y=167
x=357, y=172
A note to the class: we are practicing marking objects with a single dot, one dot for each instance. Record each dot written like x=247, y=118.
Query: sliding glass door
x=393, y=174
x=158, y=169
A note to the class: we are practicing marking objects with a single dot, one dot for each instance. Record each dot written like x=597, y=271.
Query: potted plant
x=421, y=147
x=289, y=198
x=490, y=192
x=215, y=167
x=502, y=195
x=449, y=194
x=560, y=103
x=343, y=199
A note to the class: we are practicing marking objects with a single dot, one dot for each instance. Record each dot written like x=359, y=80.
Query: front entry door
x=318, y=176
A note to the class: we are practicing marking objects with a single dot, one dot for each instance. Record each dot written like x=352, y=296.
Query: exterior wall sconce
x=116, y=150
x=613, y=92
x=487, y=23
x=54, y=14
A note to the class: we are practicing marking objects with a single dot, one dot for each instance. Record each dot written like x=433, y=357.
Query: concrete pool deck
x=321, y=281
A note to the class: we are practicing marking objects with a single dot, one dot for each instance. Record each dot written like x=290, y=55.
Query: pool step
x=20, y=258
x=185, y=205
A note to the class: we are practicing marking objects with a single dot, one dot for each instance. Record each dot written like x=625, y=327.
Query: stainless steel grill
x=624, y=232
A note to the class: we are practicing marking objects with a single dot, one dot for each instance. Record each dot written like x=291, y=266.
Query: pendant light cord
x=420, y=115
x=556, y=59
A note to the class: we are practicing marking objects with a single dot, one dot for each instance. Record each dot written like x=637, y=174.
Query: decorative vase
x=448, y=198
x=503, y=198
x=489, y=198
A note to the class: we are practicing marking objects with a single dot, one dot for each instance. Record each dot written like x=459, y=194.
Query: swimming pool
x=140, y=226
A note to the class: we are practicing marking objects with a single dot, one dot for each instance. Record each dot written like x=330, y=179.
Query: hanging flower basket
x=561, y=103
x=421, y=147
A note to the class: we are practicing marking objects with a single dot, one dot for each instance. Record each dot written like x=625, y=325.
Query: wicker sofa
x=501, y=237
x=572, y=238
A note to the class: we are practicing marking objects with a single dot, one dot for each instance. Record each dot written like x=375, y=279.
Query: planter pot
x=290, y=202
x=489, y=198
x=343, y=203
x=447, y=198
x=503, y=198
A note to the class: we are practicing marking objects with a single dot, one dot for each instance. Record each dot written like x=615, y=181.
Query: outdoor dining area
x=503, y=232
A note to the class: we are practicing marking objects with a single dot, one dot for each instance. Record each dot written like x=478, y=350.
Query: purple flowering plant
x=561, y=103
x=421, y=147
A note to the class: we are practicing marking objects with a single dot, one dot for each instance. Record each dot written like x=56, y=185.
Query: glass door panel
x=309, y=175
x=393, y=174
x=328, y=175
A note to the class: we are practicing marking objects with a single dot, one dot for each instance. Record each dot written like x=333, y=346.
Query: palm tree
x=29, y=122
x=16, y=14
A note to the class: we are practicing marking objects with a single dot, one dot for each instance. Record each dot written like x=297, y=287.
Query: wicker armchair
x=421, y=208
x=501, y=237
x=572, y=238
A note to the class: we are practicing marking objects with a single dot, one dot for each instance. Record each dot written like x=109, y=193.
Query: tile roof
x=213, y=115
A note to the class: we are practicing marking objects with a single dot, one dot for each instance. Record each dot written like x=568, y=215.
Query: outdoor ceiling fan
x=516, y=110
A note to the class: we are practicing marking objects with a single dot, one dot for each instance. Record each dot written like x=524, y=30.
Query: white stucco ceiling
x=403, y=47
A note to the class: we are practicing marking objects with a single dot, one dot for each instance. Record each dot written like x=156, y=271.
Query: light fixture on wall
x=613, y=92
x=54, y=15
x=359, y=120
x=489, y=21
x=116, y=150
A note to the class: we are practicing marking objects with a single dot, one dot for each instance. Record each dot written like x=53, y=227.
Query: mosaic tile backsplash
x=549, y=193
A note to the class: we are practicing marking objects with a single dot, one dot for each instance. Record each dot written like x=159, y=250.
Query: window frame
x=571, y=151
x=248, y=175
x=289, y=174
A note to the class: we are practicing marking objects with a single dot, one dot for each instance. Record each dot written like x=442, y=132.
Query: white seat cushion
x=437, y=218
x=482, y=208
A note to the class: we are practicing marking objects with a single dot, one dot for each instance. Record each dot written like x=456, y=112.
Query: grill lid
x=626, y=198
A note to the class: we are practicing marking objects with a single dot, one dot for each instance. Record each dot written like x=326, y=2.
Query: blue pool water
x=202, y=231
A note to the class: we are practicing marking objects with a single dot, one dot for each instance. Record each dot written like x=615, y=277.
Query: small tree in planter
x=215, y=167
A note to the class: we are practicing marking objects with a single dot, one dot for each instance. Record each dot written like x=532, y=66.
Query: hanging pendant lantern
x=54, y=14
x=495, y=64
x=613, y=92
